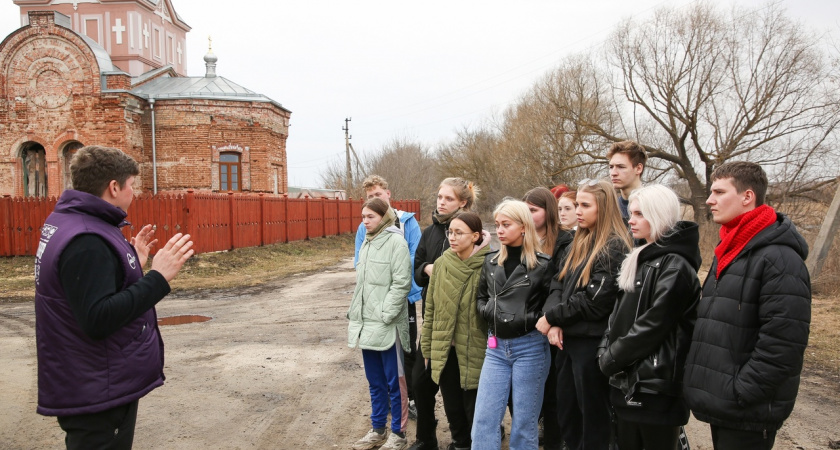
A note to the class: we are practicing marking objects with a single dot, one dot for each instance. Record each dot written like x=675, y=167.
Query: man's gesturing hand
x=169, y=260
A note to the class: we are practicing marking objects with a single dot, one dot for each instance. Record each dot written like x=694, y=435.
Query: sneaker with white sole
x=395, y=442
x=372, y=439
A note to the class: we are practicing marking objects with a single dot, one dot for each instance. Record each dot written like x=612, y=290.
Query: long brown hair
x=543, y=198
x=590, y=242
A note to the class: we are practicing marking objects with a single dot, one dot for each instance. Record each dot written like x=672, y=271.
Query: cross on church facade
x=146, y=34
x=118, y=28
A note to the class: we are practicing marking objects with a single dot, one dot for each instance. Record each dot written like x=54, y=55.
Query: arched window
x=229, y=173
x=34, y=161
x=67, y=155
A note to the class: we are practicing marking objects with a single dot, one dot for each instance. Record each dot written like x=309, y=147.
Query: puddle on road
x=180, y=320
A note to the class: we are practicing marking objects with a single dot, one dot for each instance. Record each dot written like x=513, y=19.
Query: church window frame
x=37, y=186
x=230, y=172
x=67, y=152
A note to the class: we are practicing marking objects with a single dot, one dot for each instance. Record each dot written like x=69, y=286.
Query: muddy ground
x=272, y=370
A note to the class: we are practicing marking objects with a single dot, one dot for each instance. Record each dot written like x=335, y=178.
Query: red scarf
x=735, y=234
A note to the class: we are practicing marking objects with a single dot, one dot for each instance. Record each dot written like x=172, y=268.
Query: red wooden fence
x=215, y=221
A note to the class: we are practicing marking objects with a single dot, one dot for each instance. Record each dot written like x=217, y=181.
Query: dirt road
x=272, y=370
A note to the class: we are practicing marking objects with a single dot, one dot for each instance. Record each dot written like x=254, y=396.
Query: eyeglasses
x=456, y=234
x=589, y=182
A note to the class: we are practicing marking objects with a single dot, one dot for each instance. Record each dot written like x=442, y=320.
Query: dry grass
x=221, y=270
x=823, y=352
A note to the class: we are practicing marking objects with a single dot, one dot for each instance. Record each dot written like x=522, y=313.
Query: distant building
x=113, y=73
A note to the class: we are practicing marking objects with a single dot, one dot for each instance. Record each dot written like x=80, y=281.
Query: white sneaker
x=395, y=442
x=372, y=439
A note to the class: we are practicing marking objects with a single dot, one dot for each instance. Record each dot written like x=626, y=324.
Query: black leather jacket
x=649, y=332
x=511, y=306
x=583, y=310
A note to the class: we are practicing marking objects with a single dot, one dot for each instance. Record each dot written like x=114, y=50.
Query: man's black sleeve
x=92, y=275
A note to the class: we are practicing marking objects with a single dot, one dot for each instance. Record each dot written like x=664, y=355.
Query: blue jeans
x=523, y=363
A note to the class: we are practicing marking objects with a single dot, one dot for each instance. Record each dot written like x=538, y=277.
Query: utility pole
x=349, y=179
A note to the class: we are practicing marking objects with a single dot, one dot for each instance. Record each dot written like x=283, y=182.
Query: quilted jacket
x=378, y=312
x=451, y=316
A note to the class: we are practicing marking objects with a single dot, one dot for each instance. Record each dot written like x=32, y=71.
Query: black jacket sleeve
x=91, y=276
x=483, y=296
x=785, y=315
x=596, y=299
x=674, y=291
x=420, y=262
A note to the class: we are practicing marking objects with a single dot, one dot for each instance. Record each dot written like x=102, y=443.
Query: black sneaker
x=421, y=445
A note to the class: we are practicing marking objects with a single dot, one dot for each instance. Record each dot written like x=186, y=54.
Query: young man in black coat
x=742, y=371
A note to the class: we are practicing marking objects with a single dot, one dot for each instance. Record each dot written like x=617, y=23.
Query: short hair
x=373, y=181
x=745, y=175
x=473, y=222
x=660, y=206
x=94, y=167
x=464, y=190
x=635, y=152
x=571, y=195
x=376, y=205
x=559, y=190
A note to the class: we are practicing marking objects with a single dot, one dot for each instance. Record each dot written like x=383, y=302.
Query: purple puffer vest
x=78, y=374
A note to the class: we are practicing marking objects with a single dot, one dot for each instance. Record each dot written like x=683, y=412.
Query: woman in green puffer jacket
x=454, y=335
x=379, y=322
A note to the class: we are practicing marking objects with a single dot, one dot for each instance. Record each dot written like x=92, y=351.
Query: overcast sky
x=419, y=70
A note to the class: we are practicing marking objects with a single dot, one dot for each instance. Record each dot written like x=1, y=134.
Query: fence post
x=262, y=219
x=232, y=220
x=191, y=220
x=286, y=217
x=308, y=204
x=6, y=225
x=323, y=217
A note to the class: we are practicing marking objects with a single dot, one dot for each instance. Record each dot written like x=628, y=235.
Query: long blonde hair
x=518, y=212
x=660, y=206
x=589, y=243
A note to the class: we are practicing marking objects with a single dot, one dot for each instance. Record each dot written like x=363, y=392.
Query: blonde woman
x=512, y=290
x=581, y=299
x=650, y=329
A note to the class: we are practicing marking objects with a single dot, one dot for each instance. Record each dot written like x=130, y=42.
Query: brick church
x=113, y=73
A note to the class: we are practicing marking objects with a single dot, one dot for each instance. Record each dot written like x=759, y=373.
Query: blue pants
x=521, y=364
x=388, y=390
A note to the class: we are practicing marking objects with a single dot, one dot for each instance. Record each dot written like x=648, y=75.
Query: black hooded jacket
x=649, y=331
x=432, y=244
x=752, y=328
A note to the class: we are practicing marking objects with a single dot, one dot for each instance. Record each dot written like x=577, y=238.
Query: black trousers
x=552, y=436
x=425, y=390
x=112, y=429
x=584, y=395
x=410, y=351
x=639, y=436
x=458, y=403
x=731, y=439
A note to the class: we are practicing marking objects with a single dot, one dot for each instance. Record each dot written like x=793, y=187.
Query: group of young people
x=589, y=320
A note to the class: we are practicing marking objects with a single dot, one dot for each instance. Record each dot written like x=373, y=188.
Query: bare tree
x=747, y=85
x=409, y=167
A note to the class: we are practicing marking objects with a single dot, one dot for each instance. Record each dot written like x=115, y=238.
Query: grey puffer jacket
x=752, y=328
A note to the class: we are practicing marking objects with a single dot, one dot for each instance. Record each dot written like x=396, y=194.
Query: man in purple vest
x=99, y=349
